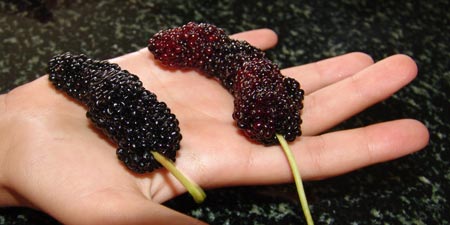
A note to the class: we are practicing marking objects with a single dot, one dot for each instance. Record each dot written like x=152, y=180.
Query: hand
x=54, y=160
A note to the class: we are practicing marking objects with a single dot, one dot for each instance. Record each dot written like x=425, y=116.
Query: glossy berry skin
x=265, y=102
x=203, y=47
x=121, y=107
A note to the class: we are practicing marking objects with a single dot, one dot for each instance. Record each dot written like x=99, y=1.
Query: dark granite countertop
x=410, y=190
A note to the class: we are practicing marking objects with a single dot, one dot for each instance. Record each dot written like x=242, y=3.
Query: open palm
x=53, y=158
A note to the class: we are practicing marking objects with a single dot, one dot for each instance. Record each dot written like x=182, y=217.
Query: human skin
x=53, y=159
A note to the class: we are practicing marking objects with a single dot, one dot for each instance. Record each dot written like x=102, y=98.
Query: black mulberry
x=121, y=107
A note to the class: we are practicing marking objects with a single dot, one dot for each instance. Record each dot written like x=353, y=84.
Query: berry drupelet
x=121, y=107
x=204, y=47
x=266, y=102
x=266, y=105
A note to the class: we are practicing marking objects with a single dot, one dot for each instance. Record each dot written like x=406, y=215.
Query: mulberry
x=266, y=102
x=121, y=107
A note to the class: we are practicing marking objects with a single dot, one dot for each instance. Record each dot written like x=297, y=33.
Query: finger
x=345, y=151
x=261, y=38
x=338, y=152
x=314, y=76
x=333, y=104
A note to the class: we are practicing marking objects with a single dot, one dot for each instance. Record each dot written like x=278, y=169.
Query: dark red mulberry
x=265, y=103
x=205, y=47
x=119, y=105
x=186, y=46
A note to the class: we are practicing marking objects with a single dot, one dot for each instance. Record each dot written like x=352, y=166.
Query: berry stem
x=194, y=189
x=297, y=178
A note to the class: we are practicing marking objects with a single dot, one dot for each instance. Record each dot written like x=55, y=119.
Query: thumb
x=127, y=209
x=148, y=212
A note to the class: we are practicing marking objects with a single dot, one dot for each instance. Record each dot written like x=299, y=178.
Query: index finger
x=261, y=38
x=316, y=75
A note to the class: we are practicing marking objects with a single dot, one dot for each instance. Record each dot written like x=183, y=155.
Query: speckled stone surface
x=410, y=190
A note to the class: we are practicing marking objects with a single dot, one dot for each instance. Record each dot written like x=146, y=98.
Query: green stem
x=297, y=178
x=196, y=191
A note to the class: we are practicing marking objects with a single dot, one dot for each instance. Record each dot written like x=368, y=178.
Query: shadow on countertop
x=410, y=190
